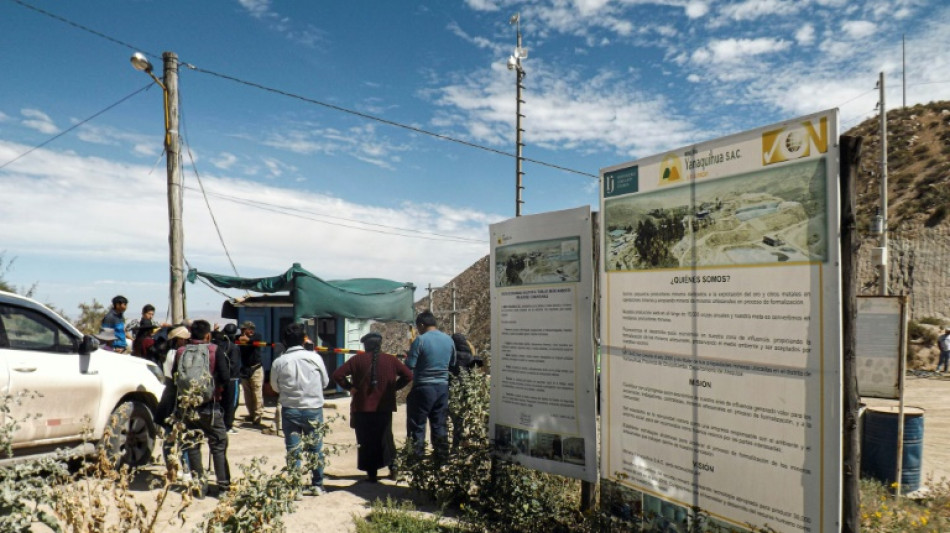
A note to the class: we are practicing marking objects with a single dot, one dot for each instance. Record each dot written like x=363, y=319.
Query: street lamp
x=176, y=236
x=514, y=63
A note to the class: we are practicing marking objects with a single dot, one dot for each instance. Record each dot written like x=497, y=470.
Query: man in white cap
x=106, y=337
x=177, y=337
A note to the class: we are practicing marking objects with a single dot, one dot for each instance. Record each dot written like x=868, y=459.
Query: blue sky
x=292, y=181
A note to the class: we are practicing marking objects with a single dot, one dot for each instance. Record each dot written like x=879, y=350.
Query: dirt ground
x=347, y=495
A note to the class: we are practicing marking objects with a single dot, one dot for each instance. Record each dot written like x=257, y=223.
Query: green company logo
x=622, y=181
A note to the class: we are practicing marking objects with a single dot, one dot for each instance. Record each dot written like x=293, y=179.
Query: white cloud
x=39, y=121
x=307, y=35
x=81, y=230
x=4, y=117
x=224, y=161
x=496, y=48
x=858, y=29
x=805, y=35
x=276, y=167
x=257, y=8
x=138, y=144
x=755, y=9
x=734, y=50
x=362, y=142
x=590, y=7
x=563, y=110
x=482, y=5
x=696, y=9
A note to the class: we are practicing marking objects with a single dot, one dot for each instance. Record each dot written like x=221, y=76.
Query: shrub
x=398, y=517
x=924, y=335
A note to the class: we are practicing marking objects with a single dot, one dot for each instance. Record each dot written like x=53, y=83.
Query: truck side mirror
x=88, y=345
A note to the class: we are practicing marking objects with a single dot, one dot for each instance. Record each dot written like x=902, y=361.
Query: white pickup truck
x=80, y=388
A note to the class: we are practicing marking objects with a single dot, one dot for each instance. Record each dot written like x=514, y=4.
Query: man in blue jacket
x=431, y=356
x=115, y=320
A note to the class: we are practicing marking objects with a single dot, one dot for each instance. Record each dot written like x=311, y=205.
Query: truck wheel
x=131, y=434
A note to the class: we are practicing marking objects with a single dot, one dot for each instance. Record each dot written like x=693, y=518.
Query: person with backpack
x=225, y=339
x=299, y=376
x=199, y=377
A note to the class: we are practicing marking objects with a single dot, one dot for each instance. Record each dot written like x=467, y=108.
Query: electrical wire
x=83, y=28
x=210, y=286
x=381, y=120
x=194, y=169
x=331, y=220
x=846, y=102
x=74, y=126
x=309, y=100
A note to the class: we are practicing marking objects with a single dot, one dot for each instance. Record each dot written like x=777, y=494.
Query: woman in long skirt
x=373, y=377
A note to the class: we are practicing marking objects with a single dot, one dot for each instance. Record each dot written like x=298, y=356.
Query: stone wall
x=919, y=267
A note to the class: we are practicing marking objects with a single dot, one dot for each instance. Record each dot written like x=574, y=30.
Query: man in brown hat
x=252, y=374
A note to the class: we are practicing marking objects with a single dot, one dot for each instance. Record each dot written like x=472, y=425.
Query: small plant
x=261, y=497
x=391, y=516
x=881, y=513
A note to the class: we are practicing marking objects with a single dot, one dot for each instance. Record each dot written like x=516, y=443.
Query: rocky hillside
x=472, y=310
x=918, y=155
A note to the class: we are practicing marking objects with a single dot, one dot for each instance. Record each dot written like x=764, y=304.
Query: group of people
x=299, y=376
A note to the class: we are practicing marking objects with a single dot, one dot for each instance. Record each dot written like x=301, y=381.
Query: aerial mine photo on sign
x=721, y=324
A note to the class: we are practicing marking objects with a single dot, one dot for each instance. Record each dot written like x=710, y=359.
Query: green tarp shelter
x=363, y=298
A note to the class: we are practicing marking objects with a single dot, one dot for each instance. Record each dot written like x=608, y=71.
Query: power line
x=305, y=99
x=74, y=126
x=333, y=220
x=382, y=120
x=194, y=168
x=83, y=28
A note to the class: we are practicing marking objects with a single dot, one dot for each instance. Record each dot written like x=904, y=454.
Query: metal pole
x=454, y=310
x=519, y=145
x=904, y=69
x=176, y=235
x=901, y=365
x=431, y=299
x=884, y=258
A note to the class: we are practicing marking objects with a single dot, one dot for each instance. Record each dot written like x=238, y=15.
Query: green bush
x=490, y=494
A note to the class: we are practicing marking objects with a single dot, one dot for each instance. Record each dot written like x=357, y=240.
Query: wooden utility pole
x=851, y=460
x=176, y=235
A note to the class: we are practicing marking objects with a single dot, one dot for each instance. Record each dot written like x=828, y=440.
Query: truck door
x=42, y=363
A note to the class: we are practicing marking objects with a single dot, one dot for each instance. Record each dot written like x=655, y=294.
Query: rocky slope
x=918, y=142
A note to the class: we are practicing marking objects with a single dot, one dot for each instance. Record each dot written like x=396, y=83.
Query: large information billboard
x=542, y=388
x=721, y=380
